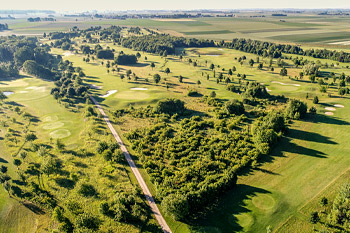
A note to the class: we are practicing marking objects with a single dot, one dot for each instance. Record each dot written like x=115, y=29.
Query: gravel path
x=136, y=172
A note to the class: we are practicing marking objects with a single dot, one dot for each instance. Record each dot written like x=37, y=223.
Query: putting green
x=245, y=220
x=132, y=95
x=50, y=118
x=263, y=201
x=53, y=125
x=60, y=133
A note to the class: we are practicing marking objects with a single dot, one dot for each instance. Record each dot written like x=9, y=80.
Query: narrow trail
x=136, y=172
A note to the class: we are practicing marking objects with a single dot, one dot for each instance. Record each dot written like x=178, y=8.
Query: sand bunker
x=95, y=87
x=111, y=92
x=267, y=89
x=329, y=113
x=23, y=92
x=67, y=54
x=338, y=106
x=286, y=84
x=139, y=89
x=7, y=93
x=211, y=55
x=330, y=108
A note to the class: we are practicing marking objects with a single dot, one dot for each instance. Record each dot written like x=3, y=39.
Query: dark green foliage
x=314, y=217
x=340, y=212
x=283, y=72
x=267, y=130
x=161, y=43
x=105, y=54
x=87, y=190
x=315, y=100
x=170, y=106
x=255, y=90
x=33, y=68
x=234, y=107
x=87, y=221
x=176, y=205
x=195, y=159
x=125, y=59
x=296, y=109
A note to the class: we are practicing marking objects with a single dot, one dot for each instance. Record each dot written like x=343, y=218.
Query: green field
x=310, y=158
x=295, y=28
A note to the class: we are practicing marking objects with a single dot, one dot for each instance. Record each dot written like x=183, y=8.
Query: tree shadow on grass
x=320, y=118
x=221, y=214
x=2, y=160
x=33, y=207
x=309, y=136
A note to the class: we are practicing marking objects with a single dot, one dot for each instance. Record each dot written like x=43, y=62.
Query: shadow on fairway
x=320, y=118
x=221, y=214
x=309, y=136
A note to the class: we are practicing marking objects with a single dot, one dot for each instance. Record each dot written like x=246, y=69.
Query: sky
x=121, y=5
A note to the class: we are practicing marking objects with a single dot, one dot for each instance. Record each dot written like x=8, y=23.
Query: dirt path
x=136, y=172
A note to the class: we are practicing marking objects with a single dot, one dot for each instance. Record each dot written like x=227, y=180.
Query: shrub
x=87, y=190
x=170, y=106
x=105, y=54
x=296, y=109
x=125, y=59
x=234, y=107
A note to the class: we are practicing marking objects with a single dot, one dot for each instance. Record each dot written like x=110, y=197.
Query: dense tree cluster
x=105, y=54
x=126, y=59
x=70, y=83
x=15, y=51
x=3, y=26
x=193, y=160
x=162, y=43
x=38, y=19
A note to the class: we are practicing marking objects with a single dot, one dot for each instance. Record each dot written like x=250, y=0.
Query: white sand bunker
x=286, y=84
x=67, y=54
x=23, y=92
x=111, y=92
x=95, y=87
x=330, y=108
x=139, y=89
x=7, y=93
x=220, y=49
x=267, y=89
x=339, y=106
x=329, y=113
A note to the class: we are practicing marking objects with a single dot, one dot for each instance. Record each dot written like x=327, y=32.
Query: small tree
x=283, y=72
x=153, y=65
x=17, y=162
x=314, y=217
x=315, y=101
x=156, y=78
x=167, y=71
x=212, y=94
